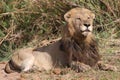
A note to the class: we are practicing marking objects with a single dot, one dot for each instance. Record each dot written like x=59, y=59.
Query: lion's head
x=79, y=21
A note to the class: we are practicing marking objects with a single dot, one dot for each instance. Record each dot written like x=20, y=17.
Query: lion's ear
x=67, y=16
x=93, y=15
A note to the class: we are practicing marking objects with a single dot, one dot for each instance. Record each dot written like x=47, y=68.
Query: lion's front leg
x=79, y=67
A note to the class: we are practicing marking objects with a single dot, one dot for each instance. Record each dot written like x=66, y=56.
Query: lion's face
x=80, y=21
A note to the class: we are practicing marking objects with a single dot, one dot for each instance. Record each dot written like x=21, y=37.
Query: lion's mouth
x=87, y=30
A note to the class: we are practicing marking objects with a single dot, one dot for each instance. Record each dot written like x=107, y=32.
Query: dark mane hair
x=83, y=51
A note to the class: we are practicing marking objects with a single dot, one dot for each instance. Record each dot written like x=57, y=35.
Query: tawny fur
x=77, y=44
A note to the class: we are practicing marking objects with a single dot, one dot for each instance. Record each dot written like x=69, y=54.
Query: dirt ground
x=110, y=52
x=5, y=76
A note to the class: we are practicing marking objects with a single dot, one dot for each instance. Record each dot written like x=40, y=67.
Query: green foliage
x=23, y=21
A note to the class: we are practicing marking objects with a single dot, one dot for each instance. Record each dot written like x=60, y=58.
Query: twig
x=18, y=12
x=117, y=20
x=5, y=37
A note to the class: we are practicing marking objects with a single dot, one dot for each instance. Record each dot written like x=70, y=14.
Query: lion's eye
x=78, y=18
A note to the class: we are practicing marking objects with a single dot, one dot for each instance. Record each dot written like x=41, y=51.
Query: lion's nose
x=87, y=25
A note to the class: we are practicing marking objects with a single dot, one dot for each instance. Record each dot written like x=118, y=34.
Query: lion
x=77, y=47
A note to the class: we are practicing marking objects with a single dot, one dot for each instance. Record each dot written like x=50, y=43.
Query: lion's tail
x=10, y=67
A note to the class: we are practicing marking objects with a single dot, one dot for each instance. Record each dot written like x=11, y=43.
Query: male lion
x=77, y=47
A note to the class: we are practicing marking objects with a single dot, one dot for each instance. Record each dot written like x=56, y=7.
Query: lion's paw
x=107, y=67
x=80, y=67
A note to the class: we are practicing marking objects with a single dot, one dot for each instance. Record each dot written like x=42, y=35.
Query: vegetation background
x=27, y=22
